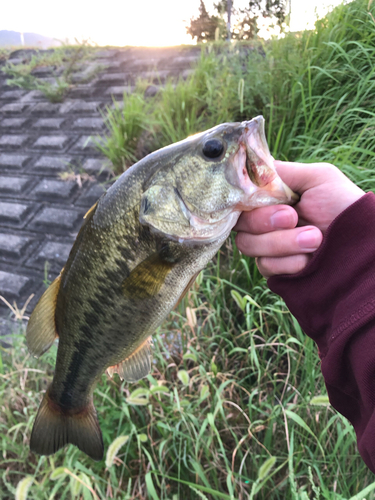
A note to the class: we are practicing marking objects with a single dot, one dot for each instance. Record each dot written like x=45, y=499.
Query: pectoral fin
x=146, y=280
x=41, y=329
x=136, y=366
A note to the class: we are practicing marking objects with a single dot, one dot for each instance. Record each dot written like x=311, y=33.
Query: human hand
x=283, y=238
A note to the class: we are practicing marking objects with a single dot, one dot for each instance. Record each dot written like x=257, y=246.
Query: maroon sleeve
x=333, y=299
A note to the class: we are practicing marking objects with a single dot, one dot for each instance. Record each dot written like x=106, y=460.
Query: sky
x=127, y=22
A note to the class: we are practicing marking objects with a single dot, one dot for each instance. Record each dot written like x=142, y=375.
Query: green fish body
x=138, y=251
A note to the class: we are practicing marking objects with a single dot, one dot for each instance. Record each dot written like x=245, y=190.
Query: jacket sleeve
x=333, y=299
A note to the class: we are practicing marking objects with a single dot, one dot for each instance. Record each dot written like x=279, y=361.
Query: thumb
x=302, y=176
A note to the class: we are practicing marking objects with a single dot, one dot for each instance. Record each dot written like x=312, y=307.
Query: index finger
x=266, y=219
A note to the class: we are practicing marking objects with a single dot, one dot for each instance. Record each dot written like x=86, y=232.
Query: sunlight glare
x=144, y=22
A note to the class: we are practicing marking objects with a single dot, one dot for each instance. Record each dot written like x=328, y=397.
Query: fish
x=140, y=248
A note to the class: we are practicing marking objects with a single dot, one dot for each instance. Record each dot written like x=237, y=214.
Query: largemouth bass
x=140, y=248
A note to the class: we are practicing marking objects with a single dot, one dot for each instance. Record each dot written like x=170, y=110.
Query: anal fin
x=41, y=328
x=135, y=366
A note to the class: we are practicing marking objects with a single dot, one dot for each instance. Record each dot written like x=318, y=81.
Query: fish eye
x=213, y=148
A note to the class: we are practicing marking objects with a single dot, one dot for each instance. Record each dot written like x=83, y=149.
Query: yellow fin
x=54, y=428
x=41, y=329
x=146, y=280
x=91, y=210
x=136, y=366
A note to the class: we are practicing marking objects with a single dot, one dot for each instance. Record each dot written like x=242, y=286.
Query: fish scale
x=139, y=249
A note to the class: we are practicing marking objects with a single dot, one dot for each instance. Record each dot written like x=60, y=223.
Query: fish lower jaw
x=205, y=232
x=197, y=230
x=274, y=193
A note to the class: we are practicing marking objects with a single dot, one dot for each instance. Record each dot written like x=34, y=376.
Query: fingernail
x=282, y=219
x=309, y=240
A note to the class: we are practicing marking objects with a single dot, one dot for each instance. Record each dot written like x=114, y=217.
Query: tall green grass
x=325, y=112
x=235, y=406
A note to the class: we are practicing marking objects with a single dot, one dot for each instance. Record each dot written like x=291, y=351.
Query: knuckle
x=300, y=262
x=242, y=243
x=265, y=266
x=329, y=168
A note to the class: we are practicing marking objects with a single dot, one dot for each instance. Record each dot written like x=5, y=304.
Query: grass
x=63, y=61
x=235, y=406
x=4, y=54
x=126, y=122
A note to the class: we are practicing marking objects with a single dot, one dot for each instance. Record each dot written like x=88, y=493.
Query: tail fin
x=54, y=428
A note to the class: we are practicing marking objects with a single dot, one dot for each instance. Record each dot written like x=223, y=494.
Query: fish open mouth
x=256, y=174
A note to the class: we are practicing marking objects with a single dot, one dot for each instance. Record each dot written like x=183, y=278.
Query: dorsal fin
x=135, y=366
x=91, y=210
x=41, y=329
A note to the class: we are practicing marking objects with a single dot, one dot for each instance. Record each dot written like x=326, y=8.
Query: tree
x=245, y=21
x=204, y=26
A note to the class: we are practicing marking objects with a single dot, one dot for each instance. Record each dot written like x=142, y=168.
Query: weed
x=125, y=123
x=62, y=61
x=19, y=314
x=79, y=177
x=4, y=54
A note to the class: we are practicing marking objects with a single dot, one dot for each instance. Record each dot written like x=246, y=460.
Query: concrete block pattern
x=13, y=94
x=13, y=185
x=40, y=213
x=12, y=246
x=14, y=107
x=51, y=142
x=33, y=95
x=49, y=123
x=47, y=108
x=12, y=284
x=88, y=123
x=13, y=161
x=52, y=164
x=13, y=122
x=56, y=219
x=13, y=141
x=13, y=213
x=119, y=91
x=94, y=166
x=92, y=195
x=54, y=253
x=86, y=144
x=87, y=107
x=53, y=190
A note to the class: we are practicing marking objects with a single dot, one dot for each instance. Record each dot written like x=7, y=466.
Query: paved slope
x=40, y=213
